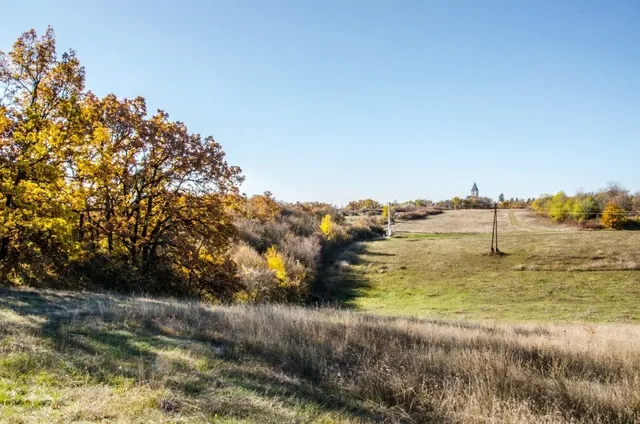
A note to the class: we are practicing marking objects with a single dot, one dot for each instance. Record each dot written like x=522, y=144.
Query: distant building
x=475, y=193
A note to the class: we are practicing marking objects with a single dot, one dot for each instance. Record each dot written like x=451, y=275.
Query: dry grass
x=481, y=221
x=80, y=358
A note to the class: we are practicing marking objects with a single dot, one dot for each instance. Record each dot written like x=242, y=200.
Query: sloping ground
x=68, y=357
x=566, y=276
x=481, y=221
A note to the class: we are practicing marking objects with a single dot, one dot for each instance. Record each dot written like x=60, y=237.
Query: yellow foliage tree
x=40, y=128
x=612, y=216
x=326, y=226
x=88, y=181
x=275, y=262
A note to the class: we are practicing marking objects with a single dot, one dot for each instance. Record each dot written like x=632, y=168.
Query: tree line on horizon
x=611, y=207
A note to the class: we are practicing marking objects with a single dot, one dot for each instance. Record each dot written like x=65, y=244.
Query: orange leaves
x=263, y=207
x=103, y=176
x=612, y=216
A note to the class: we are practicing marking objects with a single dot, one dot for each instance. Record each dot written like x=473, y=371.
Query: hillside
x=480, y=221
x=72, y=357
x=543, y=275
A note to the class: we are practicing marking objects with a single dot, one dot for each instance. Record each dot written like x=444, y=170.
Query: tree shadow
x=278, y=389
x=630, y=225
x=539, y=361
x=370, y=253
x=99, y=344
x=89, y=340
x=338, y=283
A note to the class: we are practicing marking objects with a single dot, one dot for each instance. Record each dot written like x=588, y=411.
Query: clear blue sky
x=336, y=100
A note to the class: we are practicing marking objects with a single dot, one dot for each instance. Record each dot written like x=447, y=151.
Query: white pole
x=388, y=219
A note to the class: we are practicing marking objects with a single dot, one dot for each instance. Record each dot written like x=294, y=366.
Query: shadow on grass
x=370, y=253
x=630, y=225
x=283, y=388
x=103, y=345
x=86, y=341
x=338, y=284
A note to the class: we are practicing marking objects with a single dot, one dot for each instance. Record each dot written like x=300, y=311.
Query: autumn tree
x=612, y=216
x=560, y=206
x=263, y=207
x=326, y=227
x=40, y=127
x=585, y=209
x=275, y=262
x=93, y=184
x=154, y=193
x=456, y=202
x=366, y=204
x=422, y=202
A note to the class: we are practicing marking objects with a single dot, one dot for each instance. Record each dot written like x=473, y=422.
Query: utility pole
x=494, y=230
x=388, y=219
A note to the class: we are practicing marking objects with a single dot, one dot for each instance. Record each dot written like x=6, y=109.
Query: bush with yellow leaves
x=612, y=216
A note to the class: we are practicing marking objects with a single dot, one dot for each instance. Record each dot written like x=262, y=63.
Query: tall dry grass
x=425, y=370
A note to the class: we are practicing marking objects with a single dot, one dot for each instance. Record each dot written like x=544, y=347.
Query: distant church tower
x=474, y=190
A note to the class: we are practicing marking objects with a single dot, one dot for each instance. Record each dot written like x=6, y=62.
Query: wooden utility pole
x=494, y=230
x=388, y=219
x=496, y=219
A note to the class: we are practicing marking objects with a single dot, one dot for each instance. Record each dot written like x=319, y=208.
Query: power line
x=529, y=210
x=523, y=233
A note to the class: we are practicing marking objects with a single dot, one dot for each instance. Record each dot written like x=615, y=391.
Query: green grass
x=80, y=357
x=573, y=276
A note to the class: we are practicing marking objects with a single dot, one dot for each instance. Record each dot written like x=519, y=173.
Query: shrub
x=585, y=209
x=279, y=259
x=272, y=277
x=297, y=282
x=262, y=235
x=274, y=233
x=364, y=204
x=250, y=231
x=246, y=256
x=612, y=216
x=359, y=232
x=275, y=262
x=258, y=281
x=541, y=204
x=304, y=249
x=420, y=213
x=327, y=228
x=559, y=207
x=422, y=202
x=263, y=207
x=303, y=225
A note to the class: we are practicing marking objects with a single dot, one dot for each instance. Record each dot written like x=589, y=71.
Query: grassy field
x=561, y=275
x=481, y=221
x=69, y=357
